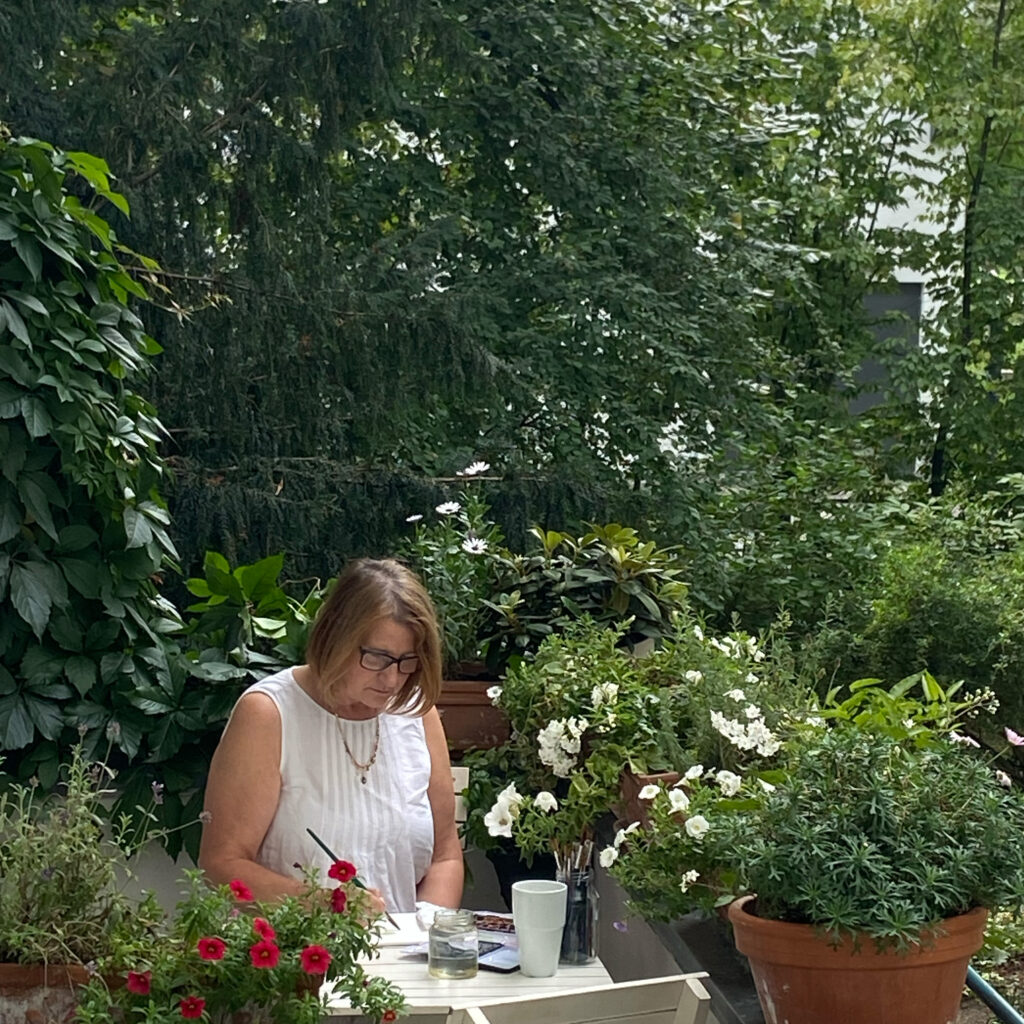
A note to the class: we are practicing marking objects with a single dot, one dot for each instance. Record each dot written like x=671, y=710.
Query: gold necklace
x=361, y=768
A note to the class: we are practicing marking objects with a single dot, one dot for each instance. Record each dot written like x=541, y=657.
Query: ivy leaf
x=28, y=249
x=31, y=594
x=15, y=324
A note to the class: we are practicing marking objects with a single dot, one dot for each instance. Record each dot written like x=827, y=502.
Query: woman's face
x=369, y=688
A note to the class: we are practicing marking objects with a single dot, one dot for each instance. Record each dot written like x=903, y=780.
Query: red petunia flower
x=264, y=954
x=262, y=927
x=342, y=870
x=139, y=982
x=315, y=959
x=211, y=948
x=388, y=1016
x=339, y=900
x=240, y=889
x=192, y=1007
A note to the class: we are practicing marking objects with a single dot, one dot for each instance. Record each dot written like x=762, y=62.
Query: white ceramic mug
x=538, y=912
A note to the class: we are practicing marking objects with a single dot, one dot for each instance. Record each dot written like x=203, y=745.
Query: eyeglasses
x=378, y=661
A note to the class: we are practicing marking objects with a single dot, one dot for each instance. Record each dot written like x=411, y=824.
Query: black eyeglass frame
x=391, y=660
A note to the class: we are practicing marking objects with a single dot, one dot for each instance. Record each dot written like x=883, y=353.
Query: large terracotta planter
x=37, y=992
x=801, y=979
x=469, y=717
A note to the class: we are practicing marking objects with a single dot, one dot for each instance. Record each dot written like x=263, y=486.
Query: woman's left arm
x=442, y=884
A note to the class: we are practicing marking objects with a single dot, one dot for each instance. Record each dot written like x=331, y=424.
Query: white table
x=431, y=998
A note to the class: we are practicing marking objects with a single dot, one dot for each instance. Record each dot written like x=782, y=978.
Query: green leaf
x=37, y=503
x=41, y=665
x=31, y=594
x=82, y=673
x=46, y=716
x=85, y=577
x=29, y=301
x=77, y=537
x=28, y=249
x=12, y=452
x=16, y=730
x=15, y=324
x=137, y=530
x=260, y=578
x=10, y=519
x=37, y=418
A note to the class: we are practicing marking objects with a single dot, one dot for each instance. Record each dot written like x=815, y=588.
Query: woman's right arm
x=241, y=800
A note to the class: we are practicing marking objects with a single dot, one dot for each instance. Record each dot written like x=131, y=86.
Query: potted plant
x=580, y=711
x=63, y=871
x=454, y=552
x=223, y=959
x=870, y=851
x=608, y=573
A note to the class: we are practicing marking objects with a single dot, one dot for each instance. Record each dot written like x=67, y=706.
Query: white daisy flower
x=474, y=469
x=474, y=545
x=448, y=508
x=415, y=518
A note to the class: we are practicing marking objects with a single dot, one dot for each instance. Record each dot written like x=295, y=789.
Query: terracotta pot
x=40, y=992
x=469, y=717
x=632, y=807
x=801, y=979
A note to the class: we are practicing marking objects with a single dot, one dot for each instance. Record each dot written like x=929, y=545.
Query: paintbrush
x=355, y=878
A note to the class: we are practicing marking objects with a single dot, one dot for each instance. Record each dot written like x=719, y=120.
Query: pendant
x=363, y=778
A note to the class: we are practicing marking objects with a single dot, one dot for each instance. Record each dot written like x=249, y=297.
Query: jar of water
x=453, y=945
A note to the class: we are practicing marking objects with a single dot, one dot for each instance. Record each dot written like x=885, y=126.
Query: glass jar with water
x=453, y=945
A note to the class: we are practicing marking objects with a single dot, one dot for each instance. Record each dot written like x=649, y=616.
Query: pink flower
x=264, y=954
x=192, y=1007
x=342, y=871
x=211, y=948
x=262, y=927
x=139, y=982
x=240, y=889
x=339, y=900
x=1015, y=738
x=315, y=959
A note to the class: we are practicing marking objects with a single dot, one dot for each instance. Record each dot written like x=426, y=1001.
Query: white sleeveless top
x=384, y=827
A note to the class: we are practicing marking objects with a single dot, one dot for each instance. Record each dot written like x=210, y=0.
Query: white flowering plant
x=586, y=710
x=453, y=548
x=542, y=822
x=873, y=817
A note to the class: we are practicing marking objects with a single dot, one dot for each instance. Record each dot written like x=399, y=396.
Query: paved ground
x=1008, y=978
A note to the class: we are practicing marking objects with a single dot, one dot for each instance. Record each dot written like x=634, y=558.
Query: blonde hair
x=367, y=592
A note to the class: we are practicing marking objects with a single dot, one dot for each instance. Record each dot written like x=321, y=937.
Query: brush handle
x=355, y=878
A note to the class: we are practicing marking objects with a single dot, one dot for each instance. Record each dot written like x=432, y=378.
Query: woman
x=348, y=745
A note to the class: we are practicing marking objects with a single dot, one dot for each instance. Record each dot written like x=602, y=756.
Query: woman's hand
x=375, y=902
